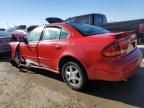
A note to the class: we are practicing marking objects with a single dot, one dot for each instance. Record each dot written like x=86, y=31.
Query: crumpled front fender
x=14, y=47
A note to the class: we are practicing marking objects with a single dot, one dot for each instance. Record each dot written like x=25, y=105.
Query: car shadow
x=47, y=74
x=130, y=92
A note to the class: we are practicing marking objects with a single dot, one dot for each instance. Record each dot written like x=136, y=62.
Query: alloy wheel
x=72, y=75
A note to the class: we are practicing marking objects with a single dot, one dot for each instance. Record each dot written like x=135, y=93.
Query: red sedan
x=79, y=52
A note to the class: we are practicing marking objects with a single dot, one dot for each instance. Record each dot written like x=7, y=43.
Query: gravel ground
x=41, y=89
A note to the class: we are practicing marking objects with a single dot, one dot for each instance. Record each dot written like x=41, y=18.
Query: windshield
x=5, y=34
x=87, y=30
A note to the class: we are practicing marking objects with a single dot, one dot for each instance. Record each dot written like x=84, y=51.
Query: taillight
x=124, y=47
x=112, y=50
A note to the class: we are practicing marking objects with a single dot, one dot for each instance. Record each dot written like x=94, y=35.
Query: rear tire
x=74, y=75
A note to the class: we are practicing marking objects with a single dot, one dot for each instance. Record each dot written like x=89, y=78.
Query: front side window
x=87, y=30
x=51, y=33
x=35, y=34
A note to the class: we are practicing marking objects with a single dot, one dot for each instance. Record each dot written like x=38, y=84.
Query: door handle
x=58, y=47
x=32, y=46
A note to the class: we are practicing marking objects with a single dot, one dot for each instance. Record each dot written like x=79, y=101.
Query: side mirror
x=141, y=28
x=25, y=40
x=19, y=34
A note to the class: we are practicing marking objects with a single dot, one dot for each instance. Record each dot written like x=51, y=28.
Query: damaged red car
x=79, y=52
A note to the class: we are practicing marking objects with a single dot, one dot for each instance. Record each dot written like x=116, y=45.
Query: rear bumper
x=117, y=69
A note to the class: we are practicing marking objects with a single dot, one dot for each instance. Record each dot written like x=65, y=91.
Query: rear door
x=51, y=46
x=29, y=50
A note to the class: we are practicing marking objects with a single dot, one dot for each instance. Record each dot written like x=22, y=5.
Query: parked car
x=2, y=29
x=101, y=21
x=11, y=29
x=79, y=52
x=5, y=38
x=93, y=19
x=21, y=27
x=141, y=33
x=141, y=28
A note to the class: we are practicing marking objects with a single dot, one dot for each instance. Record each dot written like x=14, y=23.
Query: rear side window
x=87, y=30
x=64, y=34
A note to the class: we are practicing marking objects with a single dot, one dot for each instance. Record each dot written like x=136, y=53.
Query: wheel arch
x=70, y=58
x=14, y=48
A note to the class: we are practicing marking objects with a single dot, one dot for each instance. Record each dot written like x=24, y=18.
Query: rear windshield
x=87, y=30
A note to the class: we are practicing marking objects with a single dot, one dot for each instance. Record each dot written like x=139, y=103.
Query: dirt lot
x=41, y=89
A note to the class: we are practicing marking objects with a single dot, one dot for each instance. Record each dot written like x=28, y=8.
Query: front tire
x=17, y=59
x=74, y=75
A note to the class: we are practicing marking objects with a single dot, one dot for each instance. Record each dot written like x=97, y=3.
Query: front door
x=29, y=50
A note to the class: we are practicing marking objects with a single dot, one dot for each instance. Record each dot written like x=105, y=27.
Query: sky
x=16, y=12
